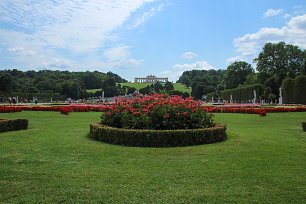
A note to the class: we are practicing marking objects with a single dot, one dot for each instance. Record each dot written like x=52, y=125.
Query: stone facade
x=150, y=79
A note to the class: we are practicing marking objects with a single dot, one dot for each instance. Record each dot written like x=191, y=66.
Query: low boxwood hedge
x=157, y=138
x=13, y=124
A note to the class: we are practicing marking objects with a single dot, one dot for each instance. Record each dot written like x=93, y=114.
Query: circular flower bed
x=157, y=138
x=157, y=120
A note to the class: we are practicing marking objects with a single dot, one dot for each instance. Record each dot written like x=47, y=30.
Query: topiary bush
x=304, y=126
x=157, y=112
x=299, y=89
x=157, y=138
x=13, y=124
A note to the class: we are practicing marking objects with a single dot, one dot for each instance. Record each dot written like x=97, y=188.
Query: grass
x=93, y=90
x=263, y=161
x=177, y=86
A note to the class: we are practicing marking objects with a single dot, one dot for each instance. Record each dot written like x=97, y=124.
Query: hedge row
x=14, y=124
x=295, y=90
x=157, y=138
x=39, y=96
x=242, y=93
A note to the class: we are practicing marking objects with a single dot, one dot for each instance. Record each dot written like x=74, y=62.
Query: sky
x=136, y=38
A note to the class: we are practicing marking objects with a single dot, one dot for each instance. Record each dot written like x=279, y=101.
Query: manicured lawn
x=177, y=86
x=263, y=161
x=92, y=90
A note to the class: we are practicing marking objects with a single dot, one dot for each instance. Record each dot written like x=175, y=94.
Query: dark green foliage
x=6, y=82
x=242, y=93
x=166, y=88
x=278, y=61
x=288, y=90
x=13, y=124
x=299, y=89
x=304, y=126
x=202, y=81
x=54, y=83
x=146, y=90
x=157, y=138
x=179, y=93
x=236, y=74
x=295, y=90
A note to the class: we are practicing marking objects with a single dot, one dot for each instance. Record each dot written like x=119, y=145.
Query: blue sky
x=135, y=38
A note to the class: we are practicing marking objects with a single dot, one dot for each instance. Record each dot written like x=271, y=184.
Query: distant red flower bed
x=256, y=110
x=105, y=108
x=65, y=108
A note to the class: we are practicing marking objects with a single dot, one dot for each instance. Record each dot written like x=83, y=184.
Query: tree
x=6, y=82
x=279, y=60
x=237, y=74
x=168, y=86
x=299, y=89
x=288, y=90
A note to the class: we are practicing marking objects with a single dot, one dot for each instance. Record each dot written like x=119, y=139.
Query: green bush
x=14, y=124
x=158, y=112
x=242, y=93
x=157, y=138
x=304, y=126
x=288, y=90
x=299, y=89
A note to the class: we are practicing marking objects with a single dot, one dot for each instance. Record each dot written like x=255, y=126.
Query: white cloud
x=294, y=32
x=140, y=20
x=120, y=57
x=74, y=27
x=231, y=60
x=117, y=53
x=178, y=69
x=287, y=15
x=22, y=51
x=189, y=55
x=272, y=12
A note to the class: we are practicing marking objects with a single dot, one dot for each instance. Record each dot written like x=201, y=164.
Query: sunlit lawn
x=263, y=161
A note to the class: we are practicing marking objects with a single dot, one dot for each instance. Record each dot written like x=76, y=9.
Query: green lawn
x=177, y=86
x=263, y=161
x=93, y=90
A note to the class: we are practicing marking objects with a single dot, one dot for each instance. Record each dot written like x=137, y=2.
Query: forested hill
x=203, y=81
x=63, y=82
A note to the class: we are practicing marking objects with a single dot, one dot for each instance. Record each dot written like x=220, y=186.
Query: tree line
x=275, y=63
x=62, y=84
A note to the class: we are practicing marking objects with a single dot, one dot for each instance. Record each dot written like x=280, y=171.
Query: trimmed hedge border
x=13, y=124
x=157, y=138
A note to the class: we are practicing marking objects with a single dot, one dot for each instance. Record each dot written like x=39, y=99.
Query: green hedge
x=157, y=138
x=299, y=89
x=14, y=124
x=288, y=90
x=242, y=93
x=295, y=90
x=304, y=126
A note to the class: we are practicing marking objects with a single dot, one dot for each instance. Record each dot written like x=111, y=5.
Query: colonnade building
x=150, y=79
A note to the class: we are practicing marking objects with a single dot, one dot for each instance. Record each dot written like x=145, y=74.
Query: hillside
x=177, y=86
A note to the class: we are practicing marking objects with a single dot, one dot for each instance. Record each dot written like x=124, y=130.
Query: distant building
x=150, y=79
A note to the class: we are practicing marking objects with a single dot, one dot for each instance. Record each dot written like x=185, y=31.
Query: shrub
x=288, y=90
x=14, y=124
x=304, y=126
x=157, y=138
x=158, y=111
x=299, y=89
x=242, y=93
